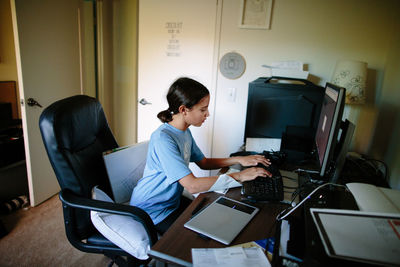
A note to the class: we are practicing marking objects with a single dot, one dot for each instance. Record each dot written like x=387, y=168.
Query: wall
x=105, y=57
x=318, y=33
x=88, y=48
x=8, y=63
x=125, y=71
x=385, y=144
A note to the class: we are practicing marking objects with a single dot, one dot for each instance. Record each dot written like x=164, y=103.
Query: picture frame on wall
x=255, y=14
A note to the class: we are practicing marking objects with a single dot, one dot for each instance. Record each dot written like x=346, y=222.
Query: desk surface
x=176, y=244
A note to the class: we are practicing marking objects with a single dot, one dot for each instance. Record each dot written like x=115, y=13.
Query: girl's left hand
x=254, y=160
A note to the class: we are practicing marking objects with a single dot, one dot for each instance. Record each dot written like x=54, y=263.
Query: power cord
x=372, y=162
x=363, y=168
x=293, y=208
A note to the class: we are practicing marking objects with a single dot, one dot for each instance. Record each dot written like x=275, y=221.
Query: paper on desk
x=221, y=186
x=229, y=257
x=263, y=144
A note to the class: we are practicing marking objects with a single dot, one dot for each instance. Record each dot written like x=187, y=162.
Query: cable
x=278, y=218
x=306, y=171
x=371, y=160
x=374, y=170
x=361, y=168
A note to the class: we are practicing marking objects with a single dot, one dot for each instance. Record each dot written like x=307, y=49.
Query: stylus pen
x=199, y=206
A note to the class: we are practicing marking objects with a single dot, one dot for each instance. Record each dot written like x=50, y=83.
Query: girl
x=172, y=147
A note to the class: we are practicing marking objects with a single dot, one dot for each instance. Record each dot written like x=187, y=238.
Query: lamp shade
x=351, y=75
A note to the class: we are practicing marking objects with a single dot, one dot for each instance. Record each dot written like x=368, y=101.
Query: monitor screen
x=330, y=118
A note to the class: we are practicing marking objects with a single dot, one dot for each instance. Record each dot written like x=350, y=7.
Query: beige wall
x=319, y=33
x=314, y=31
x=88, y=49
x=8, y=64
x=385, y=144
x=125, y=71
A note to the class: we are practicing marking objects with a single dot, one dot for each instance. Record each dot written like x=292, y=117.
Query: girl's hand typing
x=253, y=160
x=250, y=174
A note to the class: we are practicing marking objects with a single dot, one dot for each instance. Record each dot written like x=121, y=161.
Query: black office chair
x=75, y=133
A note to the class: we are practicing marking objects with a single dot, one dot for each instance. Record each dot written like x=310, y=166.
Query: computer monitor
x=326, y=137
x=272, y=106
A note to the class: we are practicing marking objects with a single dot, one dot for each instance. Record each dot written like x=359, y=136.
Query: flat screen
x=329, y=124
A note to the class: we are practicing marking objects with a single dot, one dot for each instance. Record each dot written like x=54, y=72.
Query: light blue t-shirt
x=168, y=157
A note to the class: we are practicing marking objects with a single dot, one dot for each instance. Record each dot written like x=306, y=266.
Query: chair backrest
x=125, y=168
x=75, y=133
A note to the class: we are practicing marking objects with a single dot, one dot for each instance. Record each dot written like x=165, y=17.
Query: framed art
x=255, y=14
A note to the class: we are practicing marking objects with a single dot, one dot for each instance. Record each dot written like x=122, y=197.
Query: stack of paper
x=229, y=257
x=375, y=199
x=291, y=69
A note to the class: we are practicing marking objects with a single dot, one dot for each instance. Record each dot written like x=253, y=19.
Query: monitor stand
x=335, y=167
x=343, y=146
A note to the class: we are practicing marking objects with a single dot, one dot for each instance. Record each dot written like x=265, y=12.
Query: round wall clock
x=232, y=65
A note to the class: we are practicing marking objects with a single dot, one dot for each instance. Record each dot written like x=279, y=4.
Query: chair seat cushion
x=123, y=231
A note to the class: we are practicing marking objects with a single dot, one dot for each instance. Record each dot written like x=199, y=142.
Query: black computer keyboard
x=265, y=188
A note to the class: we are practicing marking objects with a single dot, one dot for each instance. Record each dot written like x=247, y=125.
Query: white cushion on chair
x=122, y=230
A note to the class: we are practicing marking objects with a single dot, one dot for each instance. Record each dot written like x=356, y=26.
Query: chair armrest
x=70, y=199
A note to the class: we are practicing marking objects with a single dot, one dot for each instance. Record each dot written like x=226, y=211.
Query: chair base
x=126, y=261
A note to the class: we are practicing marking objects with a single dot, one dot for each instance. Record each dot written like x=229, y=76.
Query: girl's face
x=198, y=113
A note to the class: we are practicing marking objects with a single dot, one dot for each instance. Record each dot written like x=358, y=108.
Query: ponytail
x=165, y=116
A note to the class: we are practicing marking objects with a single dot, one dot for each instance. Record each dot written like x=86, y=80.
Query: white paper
x=290, y=64
x=260, y=144
x=299, y=74
x=375, y=199
x=229, y=254
x=229, y=257
x=290, y=68
x=224, y=182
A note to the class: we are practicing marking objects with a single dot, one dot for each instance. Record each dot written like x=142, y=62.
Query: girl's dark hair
x=184, y=91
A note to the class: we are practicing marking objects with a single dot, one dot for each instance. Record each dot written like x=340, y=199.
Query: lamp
x=351, y=75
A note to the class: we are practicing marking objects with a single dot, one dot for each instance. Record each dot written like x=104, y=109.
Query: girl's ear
x=182, y=109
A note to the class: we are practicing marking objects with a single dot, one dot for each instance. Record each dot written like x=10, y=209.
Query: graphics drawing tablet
x=222, y=220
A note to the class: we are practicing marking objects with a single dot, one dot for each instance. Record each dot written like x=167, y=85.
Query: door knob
x=144, y=102
x=32, y=102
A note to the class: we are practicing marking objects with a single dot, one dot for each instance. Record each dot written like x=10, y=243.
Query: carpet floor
x=36, y=237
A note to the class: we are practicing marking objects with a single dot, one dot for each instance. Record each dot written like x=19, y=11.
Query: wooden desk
x=176, y=244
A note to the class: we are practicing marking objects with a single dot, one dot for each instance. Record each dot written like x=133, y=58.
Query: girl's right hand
x=250, y=174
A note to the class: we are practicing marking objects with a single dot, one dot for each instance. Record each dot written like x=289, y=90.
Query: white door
x=176, y=38
x=47, y=50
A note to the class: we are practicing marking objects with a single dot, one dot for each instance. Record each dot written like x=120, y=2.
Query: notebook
x=222, y=220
